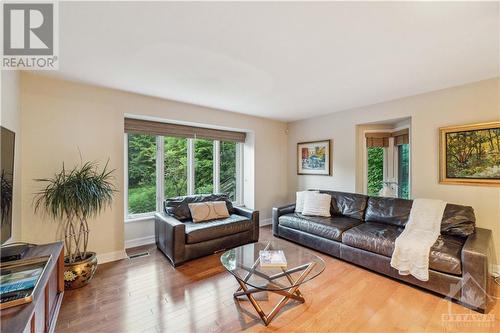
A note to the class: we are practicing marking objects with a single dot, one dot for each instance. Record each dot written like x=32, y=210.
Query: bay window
x=179, y=163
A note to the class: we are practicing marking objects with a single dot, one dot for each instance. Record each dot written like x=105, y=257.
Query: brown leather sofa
x=362, y=230
x=180, y=239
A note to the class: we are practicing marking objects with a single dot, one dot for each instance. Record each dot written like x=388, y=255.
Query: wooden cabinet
x=41, y=314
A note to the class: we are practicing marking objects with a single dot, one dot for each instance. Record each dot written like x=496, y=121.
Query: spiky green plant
x=72, y=197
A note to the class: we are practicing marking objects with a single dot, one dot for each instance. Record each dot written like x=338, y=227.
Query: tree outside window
x=175, y=167
x=141, y=173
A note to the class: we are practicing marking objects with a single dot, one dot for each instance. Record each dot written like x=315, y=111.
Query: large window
x=141, y=173
x=160, y=167
x=388, y=164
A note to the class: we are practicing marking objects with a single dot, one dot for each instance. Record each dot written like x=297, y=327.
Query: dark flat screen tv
x=7, y=142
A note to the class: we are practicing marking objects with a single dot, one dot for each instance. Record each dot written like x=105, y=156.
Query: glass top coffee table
x=244, y=264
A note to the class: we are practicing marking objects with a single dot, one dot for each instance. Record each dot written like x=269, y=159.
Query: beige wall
x=476, y=102
x=10, y=118
x=60, y=117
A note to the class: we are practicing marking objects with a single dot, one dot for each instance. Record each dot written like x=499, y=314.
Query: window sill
x=140, y=218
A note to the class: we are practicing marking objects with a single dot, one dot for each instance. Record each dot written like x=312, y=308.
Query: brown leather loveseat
x=363, y=229
x=180, y=239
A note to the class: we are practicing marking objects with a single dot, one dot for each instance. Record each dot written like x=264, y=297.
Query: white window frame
x=216, y=167
x=190, y=166
x=160, y=176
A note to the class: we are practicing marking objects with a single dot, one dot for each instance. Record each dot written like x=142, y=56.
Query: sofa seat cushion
x=374, y=237
x=445, y=254
x=326, y=227
x=204, y=231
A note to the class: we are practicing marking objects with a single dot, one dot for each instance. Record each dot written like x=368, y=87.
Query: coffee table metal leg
x=254, y=302
x=293, y=293
x=292, y=282
x=254, y=266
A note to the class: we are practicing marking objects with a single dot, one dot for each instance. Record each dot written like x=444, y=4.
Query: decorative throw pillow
x=178, y=207
x=210, y=210
x=317, y=204
x=299, y=203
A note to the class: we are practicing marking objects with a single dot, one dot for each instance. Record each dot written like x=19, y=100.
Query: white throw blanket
x=412, y=247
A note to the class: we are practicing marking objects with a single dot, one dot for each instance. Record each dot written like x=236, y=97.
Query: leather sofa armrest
x=170, y=237
x=253, y=215
x=476, y=280
x=279, y=211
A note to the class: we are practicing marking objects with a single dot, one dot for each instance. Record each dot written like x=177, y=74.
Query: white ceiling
x=285, y=61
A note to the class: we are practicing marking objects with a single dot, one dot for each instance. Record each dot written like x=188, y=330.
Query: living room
x=199, y=128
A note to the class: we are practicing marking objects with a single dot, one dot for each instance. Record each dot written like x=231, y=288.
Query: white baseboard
x=111, y=256
x=139, y=241
x=265, y=222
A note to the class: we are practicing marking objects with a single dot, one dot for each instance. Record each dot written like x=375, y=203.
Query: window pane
x=404, y=171
x=175, y=167
x=204, y=163
x=141, y=173
x=228, y=169
x=375, y=170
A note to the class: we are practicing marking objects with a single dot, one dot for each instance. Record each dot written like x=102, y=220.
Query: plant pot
x=79, y=273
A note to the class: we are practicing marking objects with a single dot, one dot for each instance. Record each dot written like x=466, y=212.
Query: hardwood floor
x=147, y=294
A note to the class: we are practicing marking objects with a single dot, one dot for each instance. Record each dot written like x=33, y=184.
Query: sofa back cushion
x=178, y=207
x=457, y=220
x=391, y=211
x=347, y=204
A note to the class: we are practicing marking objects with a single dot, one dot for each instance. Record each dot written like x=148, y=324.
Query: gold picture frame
x=470, y=154
x=314, y=158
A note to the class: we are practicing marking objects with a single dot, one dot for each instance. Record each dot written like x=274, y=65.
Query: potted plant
x=71, y=197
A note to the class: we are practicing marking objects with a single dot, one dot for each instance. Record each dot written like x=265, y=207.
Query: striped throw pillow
x=317, y=204
x=299, y=202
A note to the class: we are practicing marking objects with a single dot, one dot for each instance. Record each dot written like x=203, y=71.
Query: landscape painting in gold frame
x=470, y=154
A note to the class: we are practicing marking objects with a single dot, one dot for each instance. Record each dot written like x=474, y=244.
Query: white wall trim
x=264, y=222
x=111, y=256
x=139, y=241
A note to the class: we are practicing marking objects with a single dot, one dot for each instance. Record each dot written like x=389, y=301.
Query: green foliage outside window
x=142, y=169
x=404, y=171
x=204, y=164
x=175, y=167
x=141, y=173
x=375, y=170
x=228, y=169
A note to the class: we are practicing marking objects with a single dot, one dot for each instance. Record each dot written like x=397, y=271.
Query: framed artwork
x=314, y=158
x=470, y=154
